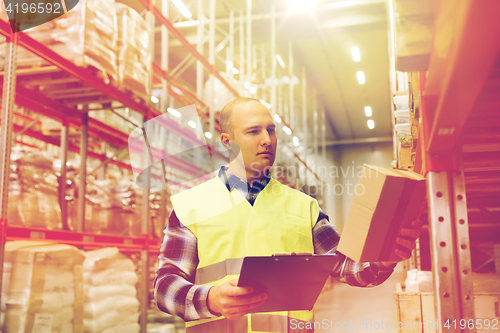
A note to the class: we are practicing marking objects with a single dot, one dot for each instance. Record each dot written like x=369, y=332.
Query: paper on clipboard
x=291, y=282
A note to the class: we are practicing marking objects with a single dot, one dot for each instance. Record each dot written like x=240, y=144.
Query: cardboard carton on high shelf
x=413, y=31
x=386, y=200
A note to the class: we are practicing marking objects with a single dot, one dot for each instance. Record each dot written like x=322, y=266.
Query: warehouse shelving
x=62, y=108
x=459, y=147
x=68, y=116
x=85, y=239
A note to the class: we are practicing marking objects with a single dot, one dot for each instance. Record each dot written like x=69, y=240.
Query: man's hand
x=232, y=301
x=406, y=242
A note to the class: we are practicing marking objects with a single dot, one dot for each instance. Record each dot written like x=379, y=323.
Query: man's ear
x=225, y=140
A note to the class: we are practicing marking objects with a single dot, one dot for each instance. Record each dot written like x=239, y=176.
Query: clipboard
x=292, y=282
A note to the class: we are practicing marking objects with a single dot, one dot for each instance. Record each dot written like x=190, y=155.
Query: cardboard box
x=413, y=32
x=390, y=199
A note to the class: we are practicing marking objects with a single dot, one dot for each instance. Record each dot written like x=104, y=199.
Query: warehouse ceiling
x=321, y=37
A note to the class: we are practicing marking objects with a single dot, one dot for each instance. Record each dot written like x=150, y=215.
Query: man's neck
x=242, y=173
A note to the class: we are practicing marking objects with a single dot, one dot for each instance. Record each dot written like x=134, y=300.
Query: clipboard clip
x=281, y=254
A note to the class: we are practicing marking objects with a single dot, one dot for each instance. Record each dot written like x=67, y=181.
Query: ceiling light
x=280, y=60
x=182, y=8
x=253, y=90
x=229, y=64
x=370, y=123
x=301, y=4
x=343, y=4
x=355, y=54
x=368, y=111
x=361, y=77
x=216, y=100
x=174, y=112
x=154, y=99
x=208, y=135
x=287, y=130
x=177, y=90
x=235, y=70
x=247, y=85
x=277, y=118
x=192, y=124
x=295, y=141
x=183, y=24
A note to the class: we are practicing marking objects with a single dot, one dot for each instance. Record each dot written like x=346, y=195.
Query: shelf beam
x=449, y=240
x=82, y=186
x=8, y=95
x=79, y=238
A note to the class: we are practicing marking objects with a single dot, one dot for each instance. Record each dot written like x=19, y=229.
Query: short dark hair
x=226, y=126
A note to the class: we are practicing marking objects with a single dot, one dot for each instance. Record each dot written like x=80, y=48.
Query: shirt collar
x=231, y=181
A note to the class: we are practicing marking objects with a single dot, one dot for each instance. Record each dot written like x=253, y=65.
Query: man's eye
x=271, y=130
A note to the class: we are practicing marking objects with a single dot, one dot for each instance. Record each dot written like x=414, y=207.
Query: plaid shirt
x=175, y=291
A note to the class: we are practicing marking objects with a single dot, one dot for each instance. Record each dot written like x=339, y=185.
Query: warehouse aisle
x=358, y=310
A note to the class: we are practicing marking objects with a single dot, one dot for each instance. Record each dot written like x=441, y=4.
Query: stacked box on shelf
x=33, y=190
x=43, y=288
x=154, y=208
x=413, y=31
x=96, y=204
x=109, y=204
x=133, y=51
x=85, y=35
x=116, y=208
x=108, y=207
x=116, y=119
x=132, y=211
x=95, y=198
x=402, y=130
x=125, y=215
x=110, y=292
x=414, y=86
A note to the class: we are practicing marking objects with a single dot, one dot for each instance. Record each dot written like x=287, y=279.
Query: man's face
x=254, y=132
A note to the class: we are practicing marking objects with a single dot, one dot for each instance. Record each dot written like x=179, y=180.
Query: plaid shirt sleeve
x=364, y=274
x=175, y=291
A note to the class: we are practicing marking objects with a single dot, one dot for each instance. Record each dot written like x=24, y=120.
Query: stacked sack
x=33, y=190
x=111, y=304
x=133, y=50
x=43, y=288
x=85, y=35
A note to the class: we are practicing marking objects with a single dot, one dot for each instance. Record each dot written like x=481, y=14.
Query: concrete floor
x=356, y=310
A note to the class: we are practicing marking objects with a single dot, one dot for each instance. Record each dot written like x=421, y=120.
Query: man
x=245, y=212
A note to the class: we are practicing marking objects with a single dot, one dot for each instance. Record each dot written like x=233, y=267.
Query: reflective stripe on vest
x=228, y=228
x=218, y=271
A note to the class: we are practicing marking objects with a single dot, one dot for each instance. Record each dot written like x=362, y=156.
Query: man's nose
x=266, y=138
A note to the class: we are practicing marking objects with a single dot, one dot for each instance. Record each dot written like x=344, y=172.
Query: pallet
x=67, y=89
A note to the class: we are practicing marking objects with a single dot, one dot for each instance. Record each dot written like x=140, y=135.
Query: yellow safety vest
x=228, y=228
